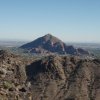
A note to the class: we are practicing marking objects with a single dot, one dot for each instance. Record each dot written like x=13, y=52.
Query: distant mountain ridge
x=51, y=44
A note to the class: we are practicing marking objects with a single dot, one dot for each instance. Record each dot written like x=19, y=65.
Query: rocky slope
x=49, y=78
x=12, y=76
x=50, y=44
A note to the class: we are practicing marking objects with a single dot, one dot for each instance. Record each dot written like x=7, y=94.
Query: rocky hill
x=49, y=78
x=50, y=44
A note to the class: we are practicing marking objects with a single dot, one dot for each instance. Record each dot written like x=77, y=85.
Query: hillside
x=49, y=78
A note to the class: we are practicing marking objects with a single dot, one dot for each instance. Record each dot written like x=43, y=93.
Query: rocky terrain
x=51, y=77
x=12, y=76
x=50, y=44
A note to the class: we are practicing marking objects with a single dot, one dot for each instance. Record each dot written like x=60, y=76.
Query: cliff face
x=49, y=78
x=51, y=44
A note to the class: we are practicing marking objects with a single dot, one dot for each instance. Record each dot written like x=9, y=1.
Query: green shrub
x=7, y=85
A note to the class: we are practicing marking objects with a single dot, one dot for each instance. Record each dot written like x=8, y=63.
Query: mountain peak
x=50, y=37
x=49, y=34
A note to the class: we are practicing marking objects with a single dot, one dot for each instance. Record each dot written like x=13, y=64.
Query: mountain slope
x=49, y=78
x=51, y=44
x=65, y=78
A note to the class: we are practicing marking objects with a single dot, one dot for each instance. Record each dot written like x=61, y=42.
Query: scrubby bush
x=7, y=85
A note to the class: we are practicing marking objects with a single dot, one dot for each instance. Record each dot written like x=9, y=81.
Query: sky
x=69, y=20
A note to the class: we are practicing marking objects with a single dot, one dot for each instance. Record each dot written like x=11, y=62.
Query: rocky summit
x=51, y=77
x=50, y=44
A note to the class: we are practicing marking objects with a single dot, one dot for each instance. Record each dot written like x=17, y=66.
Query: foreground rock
x=12, y=76
x=49, y=78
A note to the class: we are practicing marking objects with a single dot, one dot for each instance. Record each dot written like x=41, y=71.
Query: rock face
x=51, y=44
x=65, y=78
x=49, y=78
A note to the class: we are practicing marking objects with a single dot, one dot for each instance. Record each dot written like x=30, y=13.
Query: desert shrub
x=7, y=85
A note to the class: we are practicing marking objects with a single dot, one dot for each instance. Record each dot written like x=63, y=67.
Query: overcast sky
x=70, y=20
